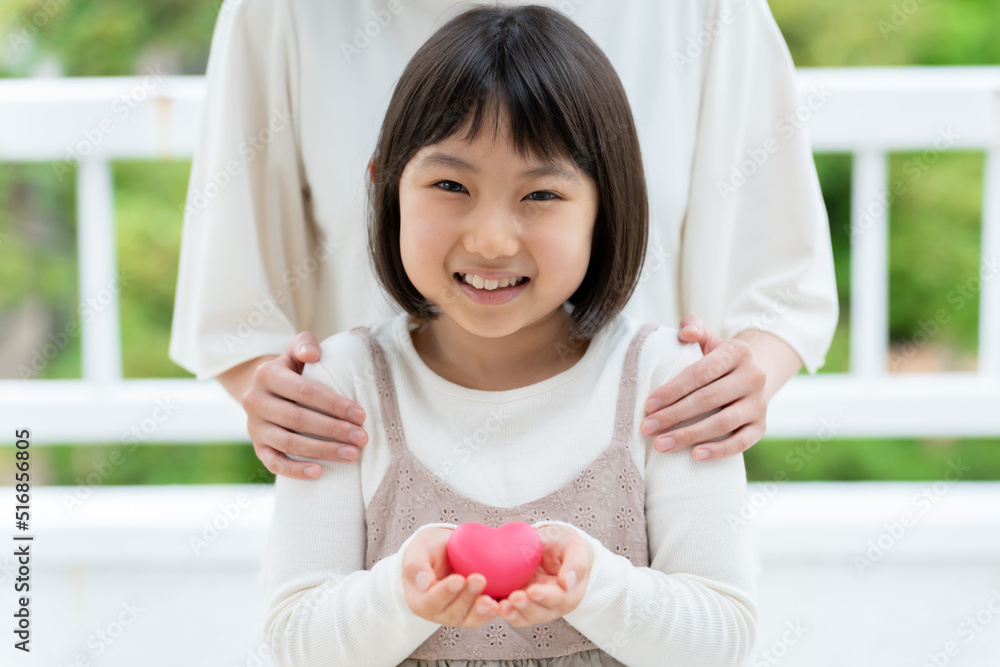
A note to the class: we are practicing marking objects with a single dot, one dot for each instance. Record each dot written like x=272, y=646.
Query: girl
x=509, y=219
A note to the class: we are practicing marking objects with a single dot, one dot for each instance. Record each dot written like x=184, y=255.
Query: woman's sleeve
x=245, y=228
x=695, y=604
x=324, y=608
x=755, y=249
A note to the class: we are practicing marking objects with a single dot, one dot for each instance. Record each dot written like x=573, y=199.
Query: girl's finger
x=461, y=606
x=483, y=609
x=442, y=594
x=518, y=617
x=548, y=596
x=743, y=439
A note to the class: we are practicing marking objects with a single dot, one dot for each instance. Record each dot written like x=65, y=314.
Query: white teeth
x=489, y=283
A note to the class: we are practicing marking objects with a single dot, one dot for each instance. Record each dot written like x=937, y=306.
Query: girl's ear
x=371, y=169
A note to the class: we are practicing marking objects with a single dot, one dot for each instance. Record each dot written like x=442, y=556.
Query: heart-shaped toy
x=507, y=556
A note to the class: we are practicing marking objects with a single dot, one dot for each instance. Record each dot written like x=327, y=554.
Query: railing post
x=869, y=264
x=100, y=282
x=989, y=296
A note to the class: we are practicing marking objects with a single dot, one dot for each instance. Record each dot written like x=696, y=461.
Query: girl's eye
x=458, y=187
x=551, y=196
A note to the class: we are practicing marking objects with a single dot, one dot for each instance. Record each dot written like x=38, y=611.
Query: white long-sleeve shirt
x=693, y=606
x=274, y=242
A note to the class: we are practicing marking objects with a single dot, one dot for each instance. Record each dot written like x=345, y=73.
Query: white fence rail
x=867, y=112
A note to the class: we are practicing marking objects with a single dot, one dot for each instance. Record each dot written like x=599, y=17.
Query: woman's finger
x=694, y=409
x=701, y=373
x=286, y=383
x=741, y=440
x=289, y=443
x=280, y=464
x=304, y=349
x=303, y=420
x=721, y=422
x=721, y=359
x=690, y=329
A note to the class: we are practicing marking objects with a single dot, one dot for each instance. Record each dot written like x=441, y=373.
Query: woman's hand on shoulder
x=558, y=585
x=278, y=425
x=725, y=379
x=437, y=593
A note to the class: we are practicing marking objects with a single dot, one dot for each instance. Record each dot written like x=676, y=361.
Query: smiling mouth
x=463, y=279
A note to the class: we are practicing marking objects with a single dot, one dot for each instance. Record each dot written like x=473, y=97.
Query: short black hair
x=562, y=98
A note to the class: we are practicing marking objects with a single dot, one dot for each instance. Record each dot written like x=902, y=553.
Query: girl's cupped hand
x=436, y=592
x=726, y=380
x=559, y=583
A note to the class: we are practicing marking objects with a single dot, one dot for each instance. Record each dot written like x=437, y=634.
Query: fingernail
x=653, y=404
x=665, y=444
x=691, y=329
x=358, y=437
x=650, y=426
x=423, y=581
x=347, y=453
x=313, y=471
x=701, y=454
x=570, y=579
x=304, y=349
x=357, y=416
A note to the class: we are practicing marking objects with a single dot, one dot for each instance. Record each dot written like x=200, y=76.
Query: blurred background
x=934, y=244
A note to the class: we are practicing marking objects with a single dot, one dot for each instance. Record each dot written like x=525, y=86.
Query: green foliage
x=116, y=464
x=108, y=37
x=863, y=459
x=149, y=220
x=934, y=246
x=885, y=33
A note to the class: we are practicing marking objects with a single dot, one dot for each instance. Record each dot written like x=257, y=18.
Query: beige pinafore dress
x=606, y=500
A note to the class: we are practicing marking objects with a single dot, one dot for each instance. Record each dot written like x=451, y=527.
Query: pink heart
x=507, y=556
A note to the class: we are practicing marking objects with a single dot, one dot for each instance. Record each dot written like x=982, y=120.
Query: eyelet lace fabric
x=606, y=500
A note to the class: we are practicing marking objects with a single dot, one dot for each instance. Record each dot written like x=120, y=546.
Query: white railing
x=867, y=112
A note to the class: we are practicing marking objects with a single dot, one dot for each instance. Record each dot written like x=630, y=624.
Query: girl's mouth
x=491, y=297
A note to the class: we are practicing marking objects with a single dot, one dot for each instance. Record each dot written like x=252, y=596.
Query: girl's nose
x=492, y=232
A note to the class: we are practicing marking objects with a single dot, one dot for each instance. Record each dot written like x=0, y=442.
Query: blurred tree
x=106, y=37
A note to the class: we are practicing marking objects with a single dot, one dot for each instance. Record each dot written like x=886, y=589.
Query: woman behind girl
x=509, y=220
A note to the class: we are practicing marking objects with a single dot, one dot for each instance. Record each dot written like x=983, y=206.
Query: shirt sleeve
x=246, y=230
x=324, y=607
x=695, y=604
x=755, y=249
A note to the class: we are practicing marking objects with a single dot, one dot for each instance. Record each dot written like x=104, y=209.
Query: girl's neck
x=526, y=357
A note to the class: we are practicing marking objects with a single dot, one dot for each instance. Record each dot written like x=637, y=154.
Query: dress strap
x=391, y=423
x=627, y=388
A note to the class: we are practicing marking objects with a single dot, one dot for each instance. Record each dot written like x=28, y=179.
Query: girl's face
x=480, y=209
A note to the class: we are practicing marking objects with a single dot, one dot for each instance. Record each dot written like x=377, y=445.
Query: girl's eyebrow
x=546, y=169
